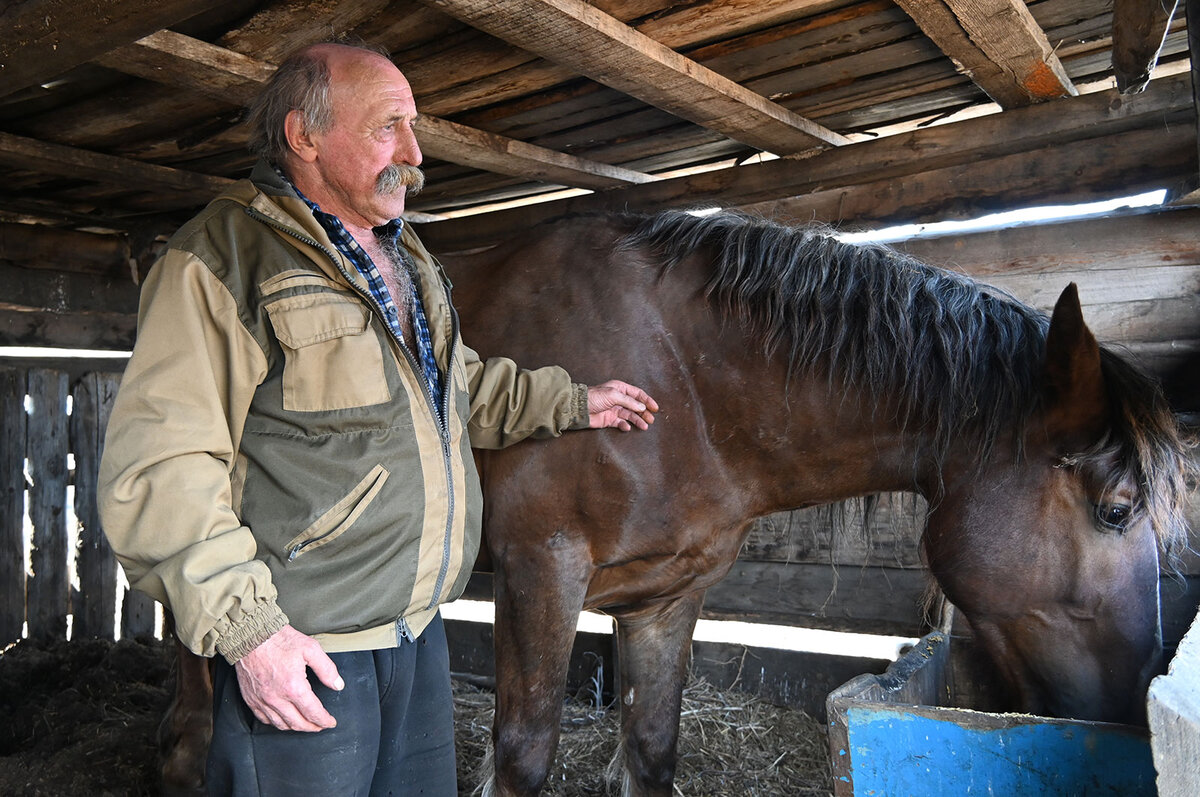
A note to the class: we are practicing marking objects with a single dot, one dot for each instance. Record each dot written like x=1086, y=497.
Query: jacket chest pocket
x=332, y=358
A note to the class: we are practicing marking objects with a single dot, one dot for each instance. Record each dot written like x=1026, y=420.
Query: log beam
x=42, y=39
x=178, y=60
x=28, y=153
x=998, y=44
x=1039, y=126
x=577, y=35
x=1139, y=28
x=36, y=246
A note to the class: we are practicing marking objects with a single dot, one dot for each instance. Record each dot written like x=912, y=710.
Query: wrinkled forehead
x=368, y=83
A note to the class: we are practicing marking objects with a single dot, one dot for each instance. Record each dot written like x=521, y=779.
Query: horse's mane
x=954, y=355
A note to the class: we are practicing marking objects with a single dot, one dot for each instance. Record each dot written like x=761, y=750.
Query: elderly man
x=288, y=463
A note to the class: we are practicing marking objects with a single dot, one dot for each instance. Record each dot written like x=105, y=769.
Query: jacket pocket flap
x=301, y=321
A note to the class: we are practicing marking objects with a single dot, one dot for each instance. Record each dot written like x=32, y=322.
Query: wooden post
x=138, y=615
x=95, y=603
x=12, y=504
x=46, y=449
x=1191, y=10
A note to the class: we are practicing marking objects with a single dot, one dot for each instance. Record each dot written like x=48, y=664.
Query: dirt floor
x=81, y=718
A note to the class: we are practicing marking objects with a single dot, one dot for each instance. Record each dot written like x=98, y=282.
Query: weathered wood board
x=1173, y=706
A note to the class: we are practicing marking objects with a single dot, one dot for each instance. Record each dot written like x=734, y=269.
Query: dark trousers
x=394, y=734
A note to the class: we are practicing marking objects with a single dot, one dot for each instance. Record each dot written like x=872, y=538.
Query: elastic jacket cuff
x=251, y=631
x=579, y=407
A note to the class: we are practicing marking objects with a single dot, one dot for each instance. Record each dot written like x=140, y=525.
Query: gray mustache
x=395, y=177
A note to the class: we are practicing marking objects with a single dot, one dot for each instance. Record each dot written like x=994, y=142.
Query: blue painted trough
x=901, y=733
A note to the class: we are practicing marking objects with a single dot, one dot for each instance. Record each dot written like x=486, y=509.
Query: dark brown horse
x=794, y=370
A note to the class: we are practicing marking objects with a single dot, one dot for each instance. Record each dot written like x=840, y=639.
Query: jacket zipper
x=442, y=420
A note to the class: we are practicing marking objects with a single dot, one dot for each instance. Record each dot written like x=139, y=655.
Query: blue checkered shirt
x=390, y=234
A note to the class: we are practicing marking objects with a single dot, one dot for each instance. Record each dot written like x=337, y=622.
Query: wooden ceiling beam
x=27, y=153
x=42, y=39
x=577, y=35
x=1058, y=123
x=998, y=44
x=469, y=146
x=1139, y=28
x=178, y=60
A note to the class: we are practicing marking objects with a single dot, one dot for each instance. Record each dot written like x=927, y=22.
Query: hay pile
x=80, y=719
x=729, y=744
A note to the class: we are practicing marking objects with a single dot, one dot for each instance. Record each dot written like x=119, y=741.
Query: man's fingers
x=324, y=668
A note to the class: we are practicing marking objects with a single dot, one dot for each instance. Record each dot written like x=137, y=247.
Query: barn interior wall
x=1139, y=277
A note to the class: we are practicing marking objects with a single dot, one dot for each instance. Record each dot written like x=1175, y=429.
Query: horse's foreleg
x=653, y=650
x=186, y=729
x=537, y=612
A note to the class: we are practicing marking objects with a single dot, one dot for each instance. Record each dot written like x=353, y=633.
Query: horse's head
x=1052, y=553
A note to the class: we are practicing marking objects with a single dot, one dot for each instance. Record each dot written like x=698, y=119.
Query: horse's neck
x=800, y=439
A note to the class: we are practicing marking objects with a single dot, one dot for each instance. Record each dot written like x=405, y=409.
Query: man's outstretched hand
x=620, y=405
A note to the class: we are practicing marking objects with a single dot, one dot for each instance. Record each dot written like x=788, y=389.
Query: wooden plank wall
x=42, y=439
x=1139, y=279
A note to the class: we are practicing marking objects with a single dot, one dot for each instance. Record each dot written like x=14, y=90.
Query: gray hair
x=301, y=83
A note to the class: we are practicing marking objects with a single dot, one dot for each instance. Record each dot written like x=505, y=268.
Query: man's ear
x=298, y=137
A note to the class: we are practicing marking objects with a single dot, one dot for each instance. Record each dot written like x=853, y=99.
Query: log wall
x=1139, y=278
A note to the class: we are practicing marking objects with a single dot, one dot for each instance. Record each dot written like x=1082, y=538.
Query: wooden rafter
x=174, y=59
x=27, y=153
x=42, y=39
x=890, y=158
x=1139, y=27
x=592, y=43
x=998, y=44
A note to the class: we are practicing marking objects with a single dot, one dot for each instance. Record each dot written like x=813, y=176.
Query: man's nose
x=408, y=151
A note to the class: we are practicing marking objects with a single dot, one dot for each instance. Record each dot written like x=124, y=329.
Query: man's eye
x=1113, y=516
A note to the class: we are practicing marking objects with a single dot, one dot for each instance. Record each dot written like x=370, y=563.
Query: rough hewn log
x=999, y=44
x=114, y=331
x=575, y=34
x=1053, y=124
x=1139, y=27
x=46, y=247
x=41, y=39
x=28, y=153
x=67, y=292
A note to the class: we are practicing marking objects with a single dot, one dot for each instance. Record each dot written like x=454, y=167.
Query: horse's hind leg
x=653, y=650
x=537, y=611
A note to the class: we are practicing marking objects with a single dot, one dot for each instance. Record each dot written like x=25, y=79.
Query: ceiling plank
x=42, y=39
x=178, y=60
x=1139, y=28
x=592, y=43
x=468, y=146
x=28, y=153
x=1058, y=123
x=998, y=44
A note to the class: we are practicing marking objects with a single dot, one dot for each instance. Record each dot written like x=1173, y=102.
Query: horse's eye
x=1113, y=516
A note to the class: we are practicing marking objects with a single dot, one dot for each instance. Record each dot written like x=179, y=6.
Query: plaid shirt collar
x=349, y=248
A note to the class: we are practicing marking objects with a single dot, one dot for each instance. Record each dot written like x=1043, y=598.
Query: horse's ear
x=1075, y=398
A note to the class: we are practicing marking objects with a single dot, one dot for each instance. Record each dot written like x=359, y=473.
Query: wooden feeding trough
x=903, y=732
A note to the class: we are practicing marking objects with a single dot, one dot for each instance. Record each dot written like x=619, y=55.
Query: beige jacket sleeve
x=165, y=488
x=509, y=404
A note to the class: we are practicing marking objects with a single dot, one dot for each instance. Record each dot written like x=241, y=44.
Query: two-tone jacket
x=273, y=454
